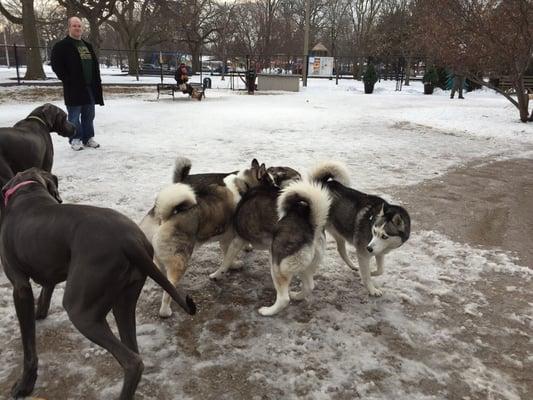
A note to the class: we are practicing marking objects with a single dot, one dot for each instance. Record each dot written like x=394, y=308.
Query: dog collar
x=38, y=119
x=11, y=192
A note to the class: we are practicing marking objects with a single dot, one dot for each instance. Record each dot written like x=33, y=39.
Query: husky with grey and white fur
x=373, y=226
x=255, y=217
x=298, y=242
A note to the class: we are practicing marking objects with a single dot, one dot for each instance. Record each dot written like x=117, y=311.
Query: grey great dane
x=28, y=143
x=45, y=241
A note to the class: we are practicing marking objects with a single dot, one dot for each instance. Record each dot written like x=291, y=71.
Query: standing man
x=76, y=65
x=458, y=83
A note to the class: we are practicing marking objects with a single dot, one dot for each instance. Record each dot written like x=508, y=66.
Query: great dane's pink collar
x=11, y=192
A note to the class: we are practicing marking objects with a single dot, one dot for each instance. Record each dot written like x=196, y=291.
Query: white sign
x=320, y=66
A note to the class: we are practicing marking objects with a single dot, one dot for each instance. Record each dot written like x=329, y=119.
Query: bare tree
x=266, y=11
x=95, y=11
x=482, y=38
x=138, y=24
x=225, y=33
x=195, y=25
x=27, y=19
x=51, y=21
x=364, y=14
x=395, y=36
x=336, y=23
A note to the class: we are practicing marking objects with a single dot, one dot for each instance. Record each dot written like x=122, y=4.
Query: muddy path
x=487, y=204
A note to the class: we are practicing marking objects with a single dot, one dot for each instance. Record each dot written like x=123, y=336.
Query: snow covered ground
x=439, y=331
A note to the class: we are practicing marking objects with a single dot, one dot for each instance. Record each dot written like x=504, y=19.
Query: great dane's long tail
x=144, y=262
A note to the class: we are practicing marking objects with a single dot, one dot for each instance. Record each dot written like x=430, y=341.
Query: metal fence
x=164, y=63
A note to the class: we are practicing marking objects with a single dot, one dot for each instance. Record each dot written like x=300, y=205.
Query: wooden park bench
x=171, y=88
x=506, y=84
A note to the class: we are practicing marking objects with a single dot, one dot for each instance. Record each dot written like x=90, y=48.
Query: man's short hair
x=71, y=18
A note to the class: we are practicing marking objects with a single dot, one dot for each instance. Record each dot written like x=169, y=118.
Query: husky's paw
x=297, y=295
x=375, y=291
x=248, y=248
x=217, y=275
x=165, y=311
x=267, y=311
x=376, y=272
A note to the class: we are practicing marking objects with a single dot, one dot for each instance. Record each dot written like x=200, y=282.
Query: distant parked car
x=148, y=66
x=219, y=69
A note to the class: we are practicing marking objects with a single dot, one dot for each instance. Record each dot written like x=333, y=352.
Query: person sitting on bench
x=182, y=77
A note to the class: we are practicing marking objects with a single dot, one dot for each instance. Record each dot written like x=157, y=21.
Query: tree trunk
x=94, y=35
x=195, y=54
x=133, y=60
x=523, y=103
x=31, y=41
x=523, y=100
x=407, y=71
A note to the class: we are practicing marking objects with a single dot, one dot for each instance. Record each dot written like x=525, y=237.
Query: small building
x=319, y=51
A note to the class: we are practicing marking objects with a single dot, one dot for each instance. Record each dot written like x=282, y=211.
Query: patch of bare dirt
x=486, y=204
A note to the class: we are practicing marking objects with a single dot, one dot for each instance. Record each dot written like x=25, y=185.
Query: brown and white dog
x=185, y=216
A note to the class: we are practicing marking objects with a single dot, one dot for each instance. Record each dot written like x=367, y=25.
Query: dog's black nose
x=369, y=249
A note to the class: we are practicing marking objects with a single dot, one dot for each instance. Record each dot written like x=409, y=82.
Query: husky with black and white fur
x=298, y=242
x=369, y=223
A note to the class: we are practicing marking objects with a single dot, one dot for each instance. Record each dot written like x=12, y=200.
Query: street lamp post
x=306, y=43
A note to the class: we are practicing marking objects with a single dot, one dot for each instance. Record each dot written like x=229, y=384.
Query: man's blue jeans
x=82, y=117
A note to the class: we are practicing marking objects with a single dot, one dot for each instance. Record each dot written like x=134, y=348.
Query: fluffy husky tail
x=326, y=170
x=306, y=194
x=172, y=199
x=182, y=167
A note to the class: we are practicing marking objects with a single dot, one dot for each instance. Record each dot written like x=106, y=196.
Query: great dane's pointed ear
x=255, y=163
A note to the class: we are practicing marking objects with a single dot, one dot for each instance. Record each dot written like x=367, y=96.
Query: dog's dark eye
x=384, y=237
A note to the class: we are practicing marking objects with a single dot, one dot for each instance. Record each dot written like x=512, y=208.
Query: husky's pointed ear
x=255, y=163
x=261, y=171
x=382, y=210
x=397, y=220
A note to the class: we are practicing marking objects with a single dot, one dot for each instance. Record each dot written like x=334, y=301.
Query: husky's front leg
x=364, y=270
x=380, y=263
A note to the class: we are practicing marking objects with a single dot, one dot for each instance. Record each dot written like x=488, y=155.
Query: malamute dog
x=186, y=216
x=298, y=242
x=373, y=226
